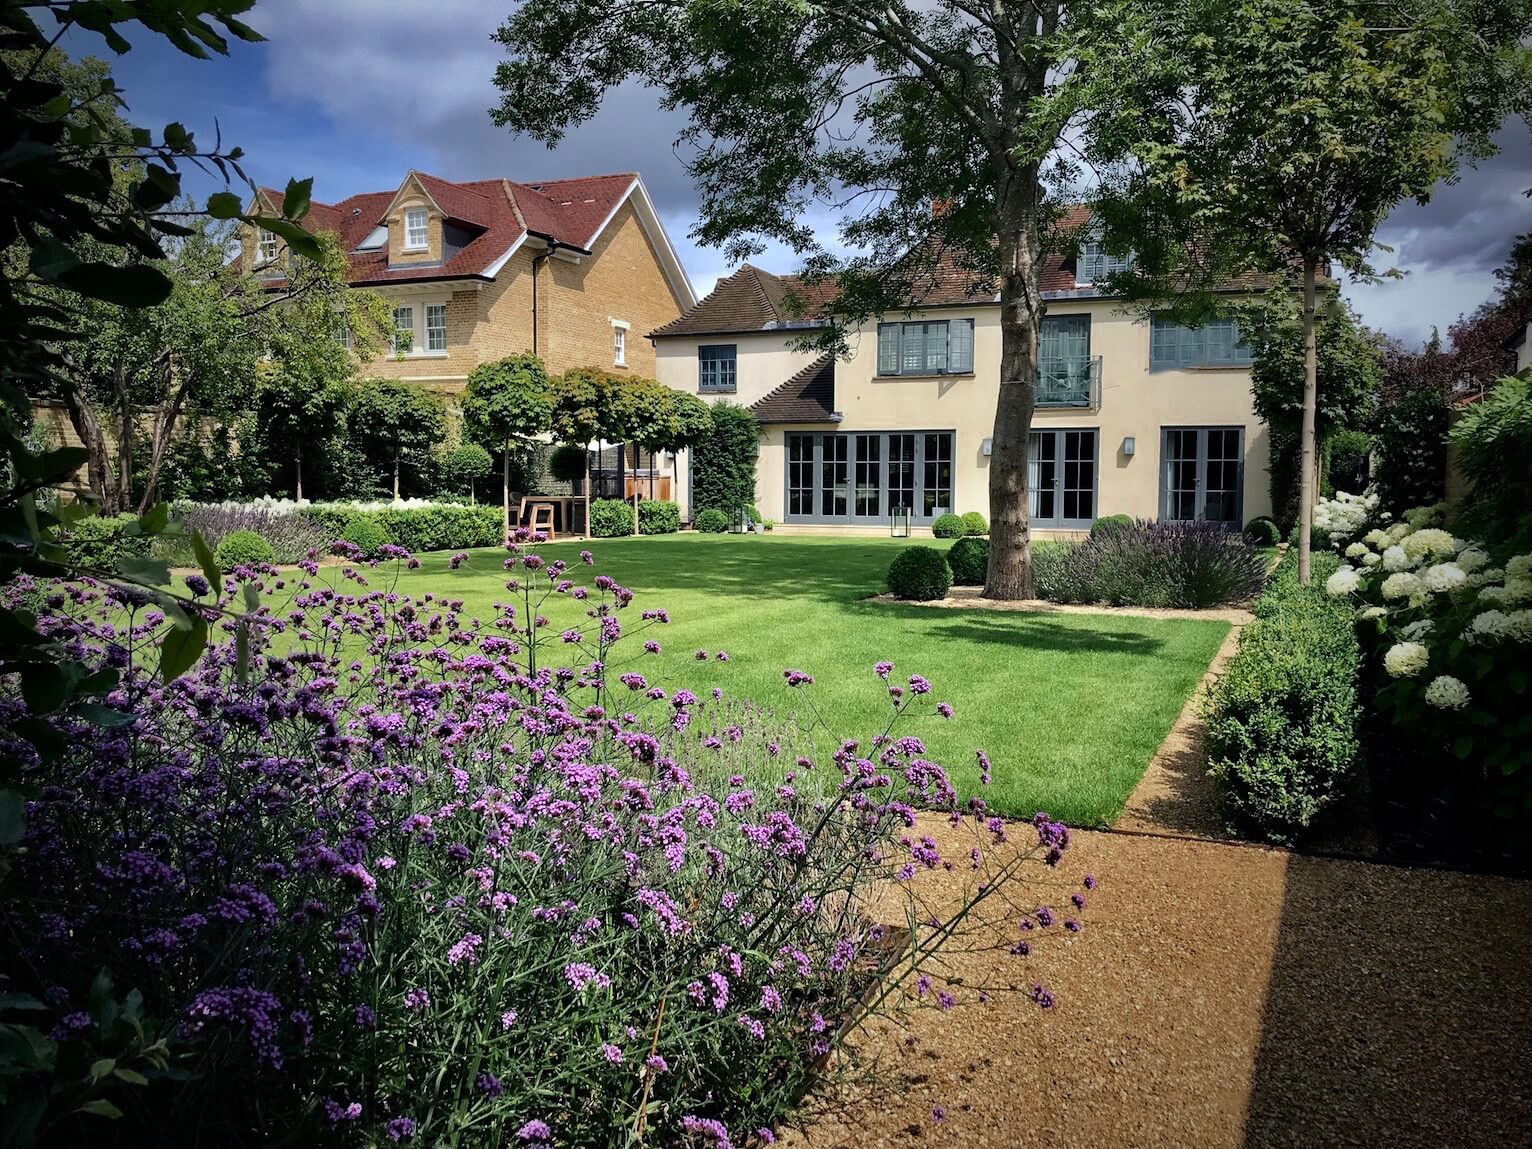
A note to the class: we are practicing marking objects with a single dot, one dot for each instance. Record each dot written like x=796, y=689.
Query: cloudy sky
x=356, y=92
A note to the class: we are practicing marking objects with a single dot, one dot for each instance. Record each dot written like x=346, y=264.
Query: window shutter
x=888, y=349
x=960, y=349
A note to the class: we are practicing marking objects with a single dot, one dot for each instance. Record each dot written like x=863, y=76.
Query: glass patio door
x=1202, y=474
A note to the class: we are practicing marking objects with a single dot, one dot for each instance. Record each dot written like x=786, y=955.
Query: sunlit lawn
x=1069, y=707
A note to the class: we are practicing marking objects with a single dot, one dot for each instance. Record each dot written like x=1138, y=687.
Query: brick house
x=575, y=270
x=1140, y=417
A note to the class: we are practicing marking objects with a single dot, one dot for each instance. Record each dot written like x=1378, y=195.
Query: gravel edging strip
x=971, y=598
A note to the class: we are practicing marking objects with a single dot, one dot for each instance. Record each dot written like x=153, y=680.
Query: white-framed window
x=343, y=332
x=415, y=235
x=266, y=246
x=619, y=343
x=404, y=329
x=436, y=327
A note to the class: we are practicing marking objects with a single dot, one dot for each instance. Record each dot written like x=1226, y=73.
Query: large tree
x=396, y=423
x=927, y=124
x=1274, y=136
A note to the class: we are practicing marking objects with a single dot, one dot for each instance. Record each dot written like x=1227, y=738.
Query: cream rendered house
x=1135, y=417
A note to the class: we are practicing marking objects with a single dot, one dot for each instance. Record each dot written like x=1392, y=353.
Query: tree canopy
x=397, y=423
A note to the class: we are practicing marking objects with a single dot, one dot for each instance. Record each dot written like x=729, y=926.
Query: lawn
x=1069, y=707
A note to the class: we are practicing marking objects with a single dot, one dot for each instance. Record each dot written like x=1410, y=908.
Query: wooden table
x=564, y=510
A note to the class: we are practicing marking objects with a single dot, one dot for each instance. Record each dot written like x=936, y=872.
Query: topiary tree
x=920, y=574
x=948, y=526
x=974, y=523
x=465, y=465
x=569, y=463
x=507, y=400
x=968, y=558
x=711, y=521
x=396, y=422
x=724, y=458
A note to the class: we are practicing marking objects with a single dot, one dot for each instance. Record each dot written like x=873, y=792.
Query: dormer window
x=266, y=246
x=1096, y=264
x=415, y=235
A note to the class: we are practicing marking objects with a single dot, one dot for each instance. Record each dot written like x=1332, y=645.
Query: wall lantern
x=1128, y=446
x=987, y=448
x=899, y=523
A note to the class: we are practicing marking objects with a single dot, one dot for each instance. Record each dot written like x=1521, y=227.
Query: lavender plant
x=417, y=878
x=1153, y=563
x=291, y=536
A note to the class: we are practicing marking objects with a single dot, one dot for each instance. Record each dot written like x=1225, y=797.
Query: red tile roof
x=497, y=213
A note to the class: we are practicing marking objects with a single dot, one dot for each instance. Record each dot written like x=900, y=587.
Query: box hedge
x=919, y=574
x=969, y=560
x=1283, y=720
x=100, y=541
x=658, y=517
x=949, y=527
x=611, y=518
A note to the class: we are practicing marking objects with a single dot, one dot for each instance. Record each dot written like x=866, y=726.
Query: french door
x=1061, y=478
x=864, y=476
x=1202, y=474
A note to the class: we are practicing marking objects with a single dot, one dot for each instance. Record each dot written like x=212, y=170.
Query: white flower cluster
x=1346, y=514
x=1406, y=659
x=291, y=506
x=1447, y=693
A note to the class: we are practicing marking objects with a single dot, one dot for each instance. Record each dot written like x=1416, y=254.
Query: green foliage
x=589, y=403
x=949, y=526
x=465, y=465
x=919, y=574
x=1494, y=452
x=969, y=560
x=101, y=541
x=1108, y=523
x=1319, y=538
x=366, y=533
x=724, y=460
x=711, y=521
x=243, y=549
x=1148, y=563
x=507, y=399
x=656, y=517
x=1283, y=719
x=1411, y=467
x=444, y=527
x=974, y=523
x=1263, y=531
x=611, y=518
x=569, y=463
x=396, y=424
x=1349, y=457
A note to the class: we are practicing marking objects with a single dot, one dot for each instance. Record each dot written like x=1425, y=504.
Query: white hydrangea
x=1519, y=625
x=1519, y=567
x=1395, y=533
x=1402, y=585
x=1443, y=577
x=1487, y=624
x=291, y=506
x=1371, y=559
x=1406, y=659
x=1376, y=538
x=1426, y=516
x=1346, y=514
x=1344, y=581
x=1472, y=558
x=1356, y=550
x=1372, y=612
x=1447, y=693
x=1429, y=541
x=1517, y=591
x=1492, y=594
x=1395, y=559
x=1418, y=629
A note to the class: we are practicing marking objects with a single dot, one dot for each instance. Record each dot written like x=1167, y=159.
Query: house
x=1143, y=418
x=572, y=269
x=1521, y=343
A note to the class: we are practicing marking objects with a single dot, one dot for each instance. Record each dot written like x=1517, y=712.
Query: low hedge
x=1108, y=523
x=100, y=541
x=711, y=521
x=975, y=523
x=1283, y=720
x=445, y=527
x=366, y=534
x=949, y=527
x=611, y=518
x=919, y=574
x=657, y=517
x=244, y=549
x=969, y=560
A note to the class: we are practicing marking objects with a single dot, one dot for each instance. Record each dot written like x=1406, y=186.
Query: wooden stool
x=542, y=518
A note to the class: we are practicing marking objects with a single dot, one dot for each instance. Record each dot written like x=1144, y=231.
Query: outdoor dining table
x=563, y=506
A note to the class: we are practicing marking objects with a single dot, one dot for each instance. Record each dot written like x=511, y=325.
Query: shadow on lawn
x=1398, y=1012
x=1036, y=632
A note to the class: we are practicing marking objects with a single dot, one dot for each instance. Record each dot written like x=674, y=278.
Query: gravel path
x=1224, y=995
x=972, y=598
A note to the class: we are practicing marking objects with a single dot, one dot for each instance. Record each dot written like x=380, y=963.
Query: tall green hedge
x=1283, y=719
x=1410, y=450
x=723, y=461
x=418, y=529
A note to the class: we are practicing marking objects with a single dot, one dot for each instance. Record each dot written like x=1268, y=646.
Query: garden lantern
x=899, y=523
x=741, y=521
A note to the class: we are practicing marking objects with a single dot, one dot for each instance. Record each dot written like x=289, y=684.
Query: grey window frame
x=704, y=361
x=1240, y=353
x=960, y=364
x=815, y=462
x=1201, y=489
x=1057, y=521
x=1095, y=263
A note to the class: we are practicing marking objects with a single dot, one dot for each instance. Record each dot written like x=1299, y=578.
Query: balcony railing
x=1069, y=383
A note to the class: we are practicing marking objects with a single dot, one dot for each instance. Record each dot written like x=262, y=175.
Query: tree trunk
x=1009, y=574
x=164, y=428
x=397, y=453
x=1308, y=472
x=505, y=491
x=125, y=429
x=298, y=476
x=98, y=467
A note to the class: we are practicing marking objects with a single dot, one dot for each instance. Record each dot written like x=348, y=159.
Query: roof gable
x=808, y=397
